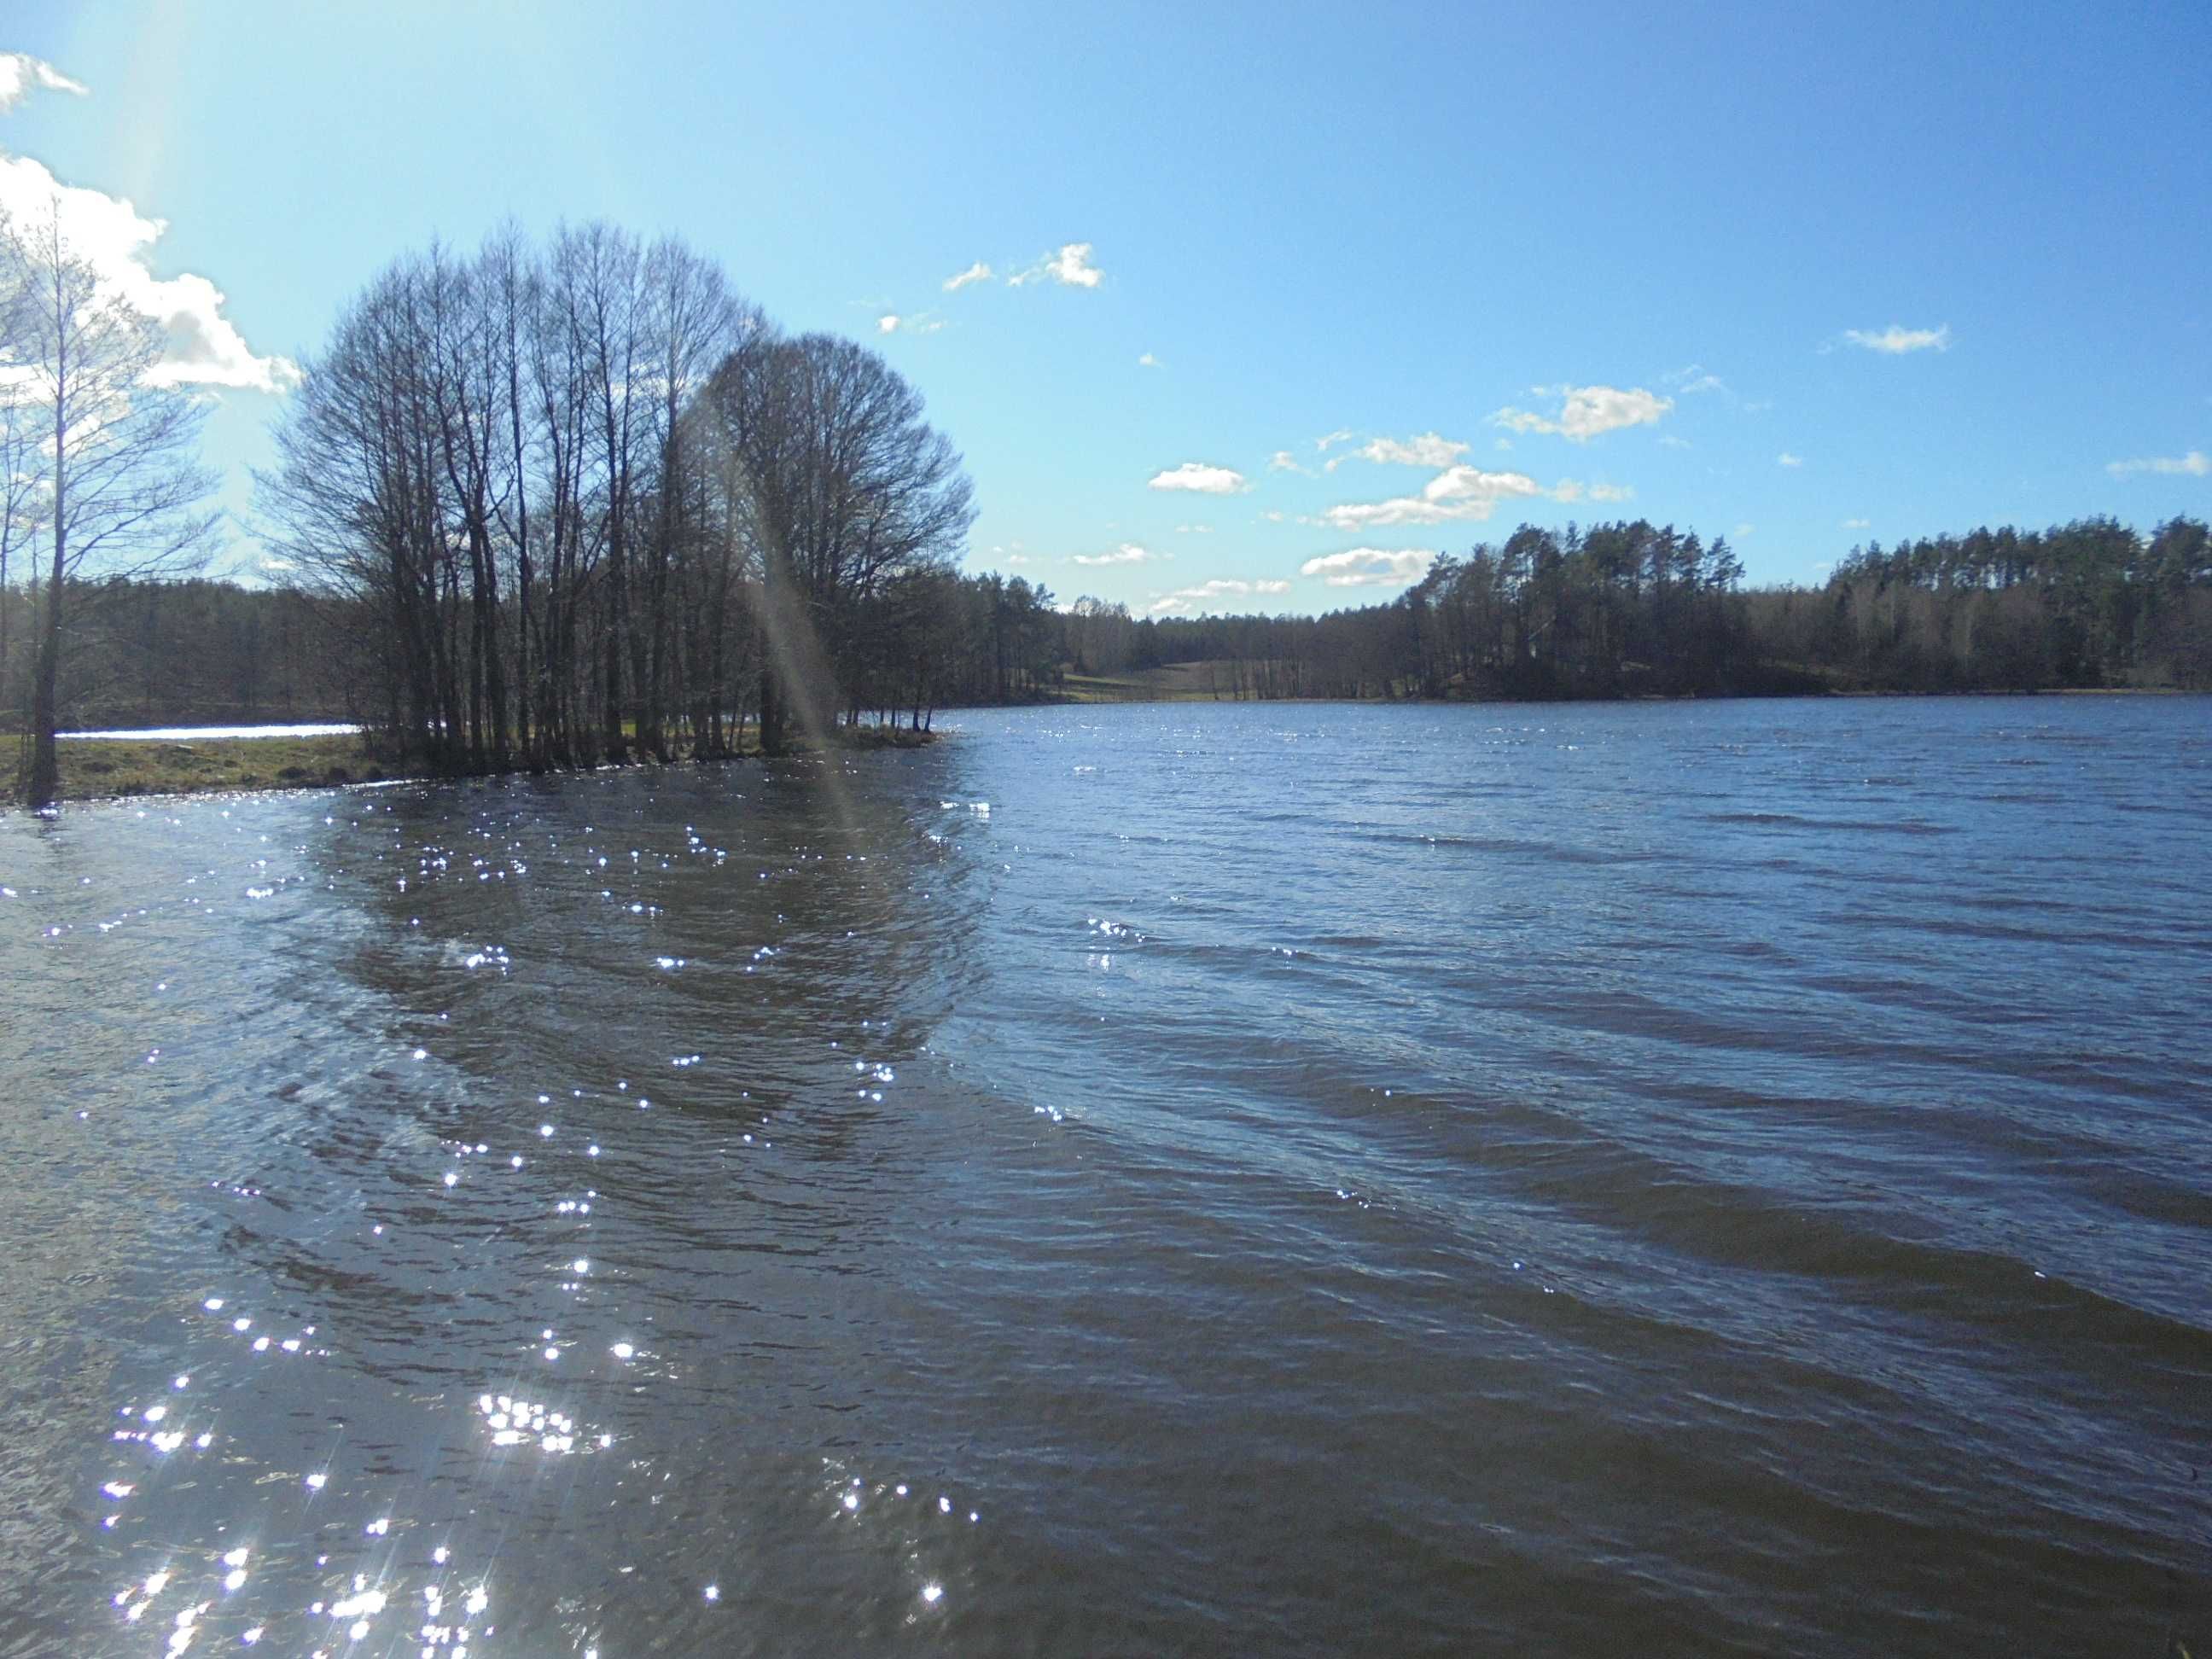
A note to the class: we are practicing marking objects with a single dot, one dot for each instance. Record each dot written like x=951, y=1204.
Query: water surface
x=1694, y=1178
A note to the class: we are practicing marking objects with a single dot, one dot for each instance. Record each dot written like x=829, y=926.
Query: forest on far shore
x=1618, y=609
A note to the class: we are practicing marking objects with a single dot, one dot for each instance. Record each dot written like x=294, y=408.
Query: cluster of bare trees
x=591, y=502
x=98, y=455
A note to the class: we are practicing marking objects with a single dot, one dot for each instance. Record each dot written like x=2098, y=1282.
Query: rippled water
x=1695, y=1178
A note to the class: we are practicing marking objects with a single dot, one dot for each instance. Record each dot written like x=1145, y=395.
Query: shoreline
x=106, y=767
x=109, y=770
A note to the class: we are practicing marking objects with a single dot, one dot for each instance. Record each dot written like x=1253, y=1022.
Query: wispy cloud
x=1128, y=553
x=1785, y=459
x=1193, y=529
x=921, y=323
x=1148, y=361
x=1694, y=381
x=978, y=272
x=109, y=235
x=19, y=72
x=1203, y=479
x=1858, y=524
x=2196, y=464
x=1586, y=411
x=1283, y=461
x=1370, y=567
x=1897, y=340
x=1567, y=490
x=1071, y=266
x=1342, y=435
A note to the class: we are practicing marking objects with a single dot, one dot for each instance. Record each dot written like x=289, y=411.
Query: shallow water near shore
x=1681, y=1178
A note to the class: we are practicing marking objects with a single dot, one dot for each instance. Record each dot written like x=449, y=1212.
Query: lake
x=1684, y=1178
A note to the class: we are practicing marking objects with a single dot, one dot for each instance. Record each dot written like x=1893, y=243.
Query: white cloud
x=1399, y=509
x=1021, y=558
x=978, y=272
x=1462, y=484
x=1128, y=553
x=2196, y=464
x=1193, y=529
x=1896, y=340
x=19, y=72
x=1206, y=594
x=1458, y=492
x=1703, y=383
x=1148, y=361
x=1585, y=411
x=887, y=323
x=1673, y=442
x=1599, y=492
x=1428, y=450
x=1205, y=480
x=109, y=234
x=1785, y=459
x=923, y=322
x=1071, y=266
x=1857, y=524
x=1283, y=461
x=1370, y=567
x=1342, y=435
x=1272, y=515
x=1743, y=530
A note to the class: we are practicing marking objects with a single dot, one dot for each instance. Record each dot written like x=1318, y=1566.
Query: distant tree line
x=144, y=652
x=1635, y=609
x=2086, y=605
x=1617, y=609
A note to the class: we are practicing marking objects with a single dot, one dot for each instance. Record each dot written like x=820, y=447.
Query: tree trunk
x=45, y=782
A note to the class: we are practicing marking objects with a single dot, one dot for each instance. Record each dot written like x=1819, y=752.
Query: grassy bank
x=123, y=768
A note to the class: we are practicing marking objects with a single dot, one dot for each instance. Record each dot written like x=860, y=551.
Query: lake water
x=205, y=734
x=1697, y=1178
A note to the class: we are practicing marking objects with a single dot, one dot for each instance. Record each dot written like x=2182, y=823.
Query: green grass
x=92, y=769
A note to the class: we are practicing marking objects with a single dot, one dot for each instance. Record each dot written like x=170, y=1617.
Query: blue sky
x=1799, y=276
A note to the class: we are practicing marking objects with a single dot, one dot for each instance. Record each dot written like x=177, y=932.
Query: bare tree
x=123, y=482
x=22, y=464
x=850, y=487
